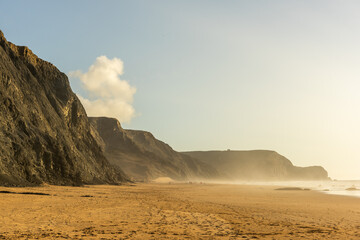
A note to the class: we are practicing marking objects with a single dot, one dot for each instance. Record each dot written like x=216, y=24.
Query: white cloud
x=112, y=97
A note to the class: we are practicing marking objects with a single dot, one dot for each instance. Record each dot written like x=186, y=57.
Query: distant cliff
x=143, y=157
x=258, y=165
x=45, y=135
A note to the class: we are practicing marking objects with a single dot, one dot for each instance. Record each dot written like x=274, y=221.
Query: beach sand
x=176, y=211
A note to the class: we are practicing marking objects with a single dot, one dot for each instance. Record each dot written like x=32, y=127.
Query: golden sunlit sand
x=176, y=211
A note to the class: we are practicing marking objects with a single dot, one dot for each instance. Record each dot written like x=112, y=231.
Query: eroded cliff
x=45, y=135
x=258, y=165
x=143, y=157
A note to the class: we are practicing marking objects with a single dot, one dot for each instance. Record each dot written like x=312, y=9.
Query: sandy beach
x=176, y=211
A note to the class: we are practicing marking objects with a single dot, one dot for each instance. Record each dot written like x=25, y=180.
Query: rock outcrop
x=45, y=135
x=143, y=157
x=258, y=165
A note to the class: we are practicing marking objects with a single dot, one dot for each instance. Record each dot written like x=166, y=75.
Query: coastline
x=177, y=211
x=333, y=187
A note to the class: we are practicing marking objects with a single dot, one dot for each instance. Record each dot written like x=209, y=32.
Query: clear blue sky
x=279, y=75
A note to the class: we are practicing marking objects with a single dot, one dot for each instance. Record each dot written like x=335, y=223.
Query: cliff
x=258, y=165
x=45, y=135
x=143, y=157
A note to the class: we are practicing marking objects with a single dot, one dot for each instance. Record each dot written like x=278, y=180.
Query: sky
x=211, y=75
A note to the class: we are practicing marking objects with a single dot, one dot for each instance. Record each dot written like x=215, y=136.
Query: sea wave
x=336, y=187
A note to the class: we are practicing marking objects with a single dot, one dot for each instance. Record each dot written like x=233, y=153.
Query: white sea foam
x=336, y=187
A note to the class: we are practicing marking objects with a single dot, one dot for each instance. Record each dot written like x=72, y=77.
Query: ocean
x=337, y=187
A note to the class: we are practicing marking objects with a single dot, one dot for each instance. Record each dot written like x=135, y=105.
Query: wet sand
x=176, y=211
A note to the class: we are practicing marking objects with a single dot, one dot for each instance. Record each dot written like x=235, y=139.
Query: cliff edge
x=45, y=135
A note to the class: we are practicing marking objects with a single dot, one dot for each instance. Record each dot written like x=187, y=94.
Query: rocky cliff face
x=45, y=135
x=258, y=165
x=143, y=157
